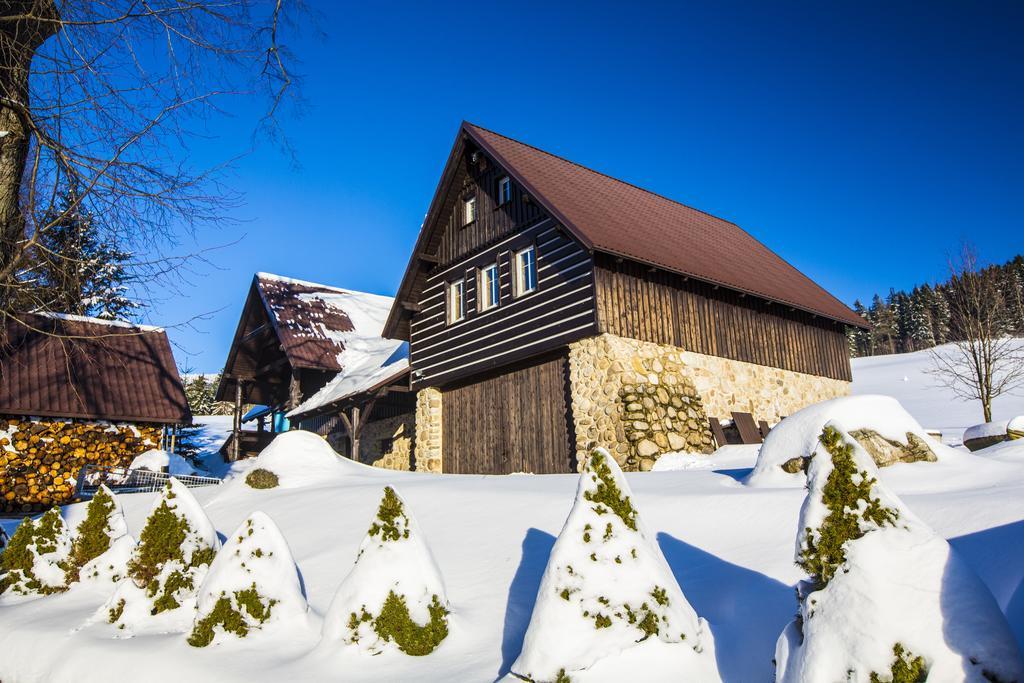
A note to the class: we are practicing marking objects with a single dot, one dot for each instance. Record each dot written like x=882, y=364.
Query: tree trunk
x=19, y=40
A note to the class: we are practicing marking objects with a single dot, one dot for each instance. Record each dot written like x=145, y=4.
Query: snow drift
x=608, y=604
x=156, y=460
x=253, y=584
x=886, y=593
x=796, y=436
x=394, y=598
x=298, y=458
x=166, y=567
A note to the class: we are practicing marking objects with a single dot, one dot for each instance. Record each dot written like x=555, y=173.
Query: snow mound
x=885, y=591
x=991, y=432
x=102, y=546
x=608, y=602
x=156, y=460
x=394, y=599
x=298, y=458
x=797, y=435
x=253, y=584
x=166, y=568
x=33, y=562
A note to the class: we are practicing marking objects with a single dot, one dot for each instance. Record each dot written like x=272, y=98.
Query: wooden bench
x=747, y=428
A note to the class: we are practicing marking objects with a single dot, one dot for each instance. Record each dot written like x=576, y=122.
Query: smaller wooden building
x=77, y=391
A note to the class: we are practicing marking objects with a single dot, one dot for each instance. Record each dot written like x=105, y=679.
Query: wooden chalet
x=293, y=338
x=550, y=308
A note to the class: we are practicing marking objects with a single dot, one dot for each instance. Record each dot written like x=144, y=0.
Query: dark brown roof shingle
x=613, y=216
x=74, y=367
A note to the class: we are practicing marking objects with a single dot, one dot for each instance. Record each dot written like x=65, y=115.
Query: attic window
x=504, y=191
x=468, y=210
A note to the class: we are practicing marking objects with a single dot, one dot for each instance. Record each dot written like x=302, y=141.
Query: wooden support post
x=294, y=390
x=354, y=422
x=236, y=422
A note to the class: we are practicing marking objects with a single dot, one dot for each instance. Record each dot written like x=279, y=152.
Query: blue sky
x=861, y=141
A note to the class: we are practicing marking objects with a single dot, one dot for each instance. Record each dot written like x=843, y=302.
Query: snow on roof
x=100, y=321
x=364, y=370
x=319, y=324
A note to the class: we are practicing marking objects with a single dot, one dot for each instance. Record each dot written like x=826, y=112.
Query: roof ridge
x=603, y=174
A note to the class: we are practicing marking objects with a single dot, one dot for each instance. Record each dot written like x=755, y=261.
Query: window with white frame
x=526, y=271
x=504, y=191
x=489, y=287
x=456, y=301
x=468, y=210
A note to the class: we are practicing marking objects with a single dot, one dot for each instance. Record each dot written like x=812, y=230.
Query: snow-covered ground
x=729, y=545
x=905, y=377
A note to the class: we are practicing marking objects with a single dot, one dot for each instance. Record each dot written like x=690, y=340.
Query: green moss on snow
x=607, y=495
x=388, y=514
x=260, y=478
x=906, y=668
x=394, y=623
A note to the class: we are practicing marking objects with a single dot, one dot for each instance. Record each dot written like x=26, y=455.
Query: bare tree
x=101, y=100
x=986, y=362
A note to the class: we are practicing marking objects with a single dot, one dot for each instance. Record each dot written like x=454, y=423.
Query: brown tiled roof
x=90, y=370
x=612, y=216
x=305, y=320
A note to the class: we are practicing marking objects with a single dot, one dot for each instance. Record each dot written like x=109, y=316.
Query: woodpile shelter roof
x=77, y=367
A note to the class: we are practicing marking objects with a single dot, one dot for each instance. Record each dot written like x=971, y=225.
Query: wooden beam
x=283, y=360
x=412, y=307
x=428, y=258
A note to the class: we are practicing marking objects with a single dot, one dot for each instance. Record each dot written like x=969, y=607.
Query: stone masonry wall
x=428, y=430
x=765, y=392
x=635, y=399
x=399, y=430
x=40, y=459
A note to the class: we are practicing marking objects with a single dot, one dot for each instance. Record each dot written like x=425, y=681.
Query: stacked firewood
x=40, y=459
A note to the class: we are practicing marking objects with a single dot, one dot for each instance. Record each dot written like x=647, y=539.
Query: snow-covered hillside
x=905, y=377
x=728, y=545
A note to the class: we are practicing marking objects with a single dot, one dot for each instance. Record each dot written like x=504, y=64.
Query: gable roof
x=612, y=216
x=77, y=367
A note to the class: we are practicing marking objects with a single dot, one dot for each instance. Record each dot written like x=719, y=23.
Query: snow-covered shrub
x=101, y=546
x=608, y=600
x=260, y=478
x=298, y=458
x=887, y=598
x=33, y=562
x=879, y=423
x=168, y=564
x=252, y=584
x=394, y=598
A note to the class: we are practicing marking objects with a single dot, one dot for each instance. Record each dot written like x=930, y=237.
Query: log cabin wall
x=559, y=311
x=517, y=420
x=666, y=308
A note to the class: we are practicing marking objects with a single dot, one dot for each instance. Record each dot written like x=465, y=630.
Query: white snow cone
x=33, y=562
x=394, y=598
x=888, y=599
x=252, y=585
x=608, y=605
x=101, y=546
x=166, y=567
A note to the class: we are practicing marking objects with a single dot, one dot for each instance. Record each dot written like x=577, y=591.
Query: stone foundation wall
x=399, y=432
x=766, y=393
x=428, y=430
x=635, y=399
x=40, y=459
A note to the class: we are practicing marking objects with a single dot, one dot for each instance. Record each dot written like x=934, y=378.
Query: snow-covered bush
x=879, y=423
x=167, y=566
x=298, y=458
x=394, y=598
x=101, y=545
x=252, y=584
x=887, y=598
x=33, y=562
x=260, y=478
x=608, y=600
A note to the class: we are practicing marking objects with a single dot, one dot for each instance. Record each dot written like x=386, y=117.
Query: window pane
x=470, y=211
x=526, y=267
x=456, y=305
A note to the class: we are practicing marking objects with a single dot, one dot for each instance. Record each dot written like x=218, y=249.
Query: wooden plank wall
x=561, y=310
x=515, y=421
x=665, y=308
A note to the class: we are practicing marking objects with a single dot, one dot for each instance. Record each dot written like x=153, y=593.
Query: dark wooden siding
x=492, y=221
x=634, y=301
x=515, y=421
x=558, y=312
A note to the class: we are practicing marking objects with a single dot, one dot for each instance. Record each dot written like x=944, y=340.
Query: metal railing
x=124, y=480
